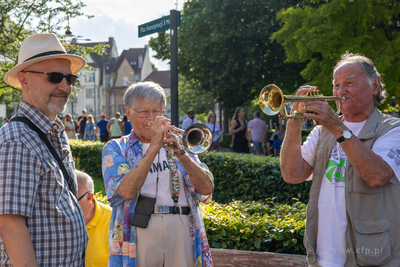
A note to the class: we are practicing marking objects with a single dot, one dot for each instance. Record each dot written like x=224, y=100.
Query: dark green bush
x=256, y=226
x=252, y=226
x=247, y=177
x=228, y=138
x=87, y=156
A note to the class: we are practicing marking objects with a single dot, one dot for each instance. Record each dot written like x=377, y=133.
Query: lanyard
x=174, y=180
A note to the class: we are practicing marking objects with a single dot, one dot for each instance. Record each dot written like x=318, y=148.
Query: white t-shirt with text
x=164, y=181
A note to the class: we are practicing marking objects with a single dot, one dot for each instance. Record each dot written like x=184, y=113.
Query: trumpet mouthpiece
x=150, y=124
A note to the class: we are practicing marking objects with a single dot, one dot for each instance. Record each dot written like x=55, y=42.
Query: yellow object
x=97, y=251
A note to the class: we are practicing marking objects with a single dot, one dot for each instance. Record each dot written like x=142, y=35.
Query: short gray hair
x=149, y=92
x=84, y=179
x=369, y=69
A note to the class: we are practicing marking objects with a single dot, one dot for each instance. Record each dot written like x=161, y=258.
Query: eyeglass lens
x=56, y=77
x=145, y=113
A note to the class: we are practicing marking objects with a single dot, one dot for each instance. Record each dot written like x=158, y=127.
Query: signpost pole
x=172, y=21
x=174, y=66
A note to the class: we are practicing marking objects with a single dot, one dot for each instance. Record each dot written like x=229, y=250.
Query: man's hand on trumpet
x=322, y=112
x=159, y=128
x=303, y=91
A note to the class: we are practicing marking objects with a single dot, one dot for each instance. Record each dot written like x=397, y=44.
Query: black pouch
x=143, y=210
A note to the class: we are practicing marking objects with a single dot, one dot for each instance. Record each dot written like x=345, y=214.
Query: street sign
x=156, y=25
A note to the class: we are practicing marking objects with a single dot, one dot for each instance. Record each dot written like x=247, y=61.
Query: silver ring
x=150, y=124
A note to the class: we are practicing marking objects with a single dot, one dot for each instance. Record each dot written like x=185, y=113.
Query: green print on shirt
x=334, y=171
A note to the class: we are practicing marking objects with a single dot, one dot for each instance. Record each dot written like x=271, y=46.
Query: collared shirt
x=257, y=128
x=97, y=249
x=187, y=122
x=119, y=156
x=32, y=185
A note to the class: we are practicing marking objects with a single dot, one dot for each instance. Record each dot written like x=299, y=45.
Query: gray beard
x=56, y=108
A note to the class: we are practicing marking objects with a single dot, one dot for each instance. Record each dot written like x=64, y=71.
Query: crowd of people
x=50, y=217
x=86, y=129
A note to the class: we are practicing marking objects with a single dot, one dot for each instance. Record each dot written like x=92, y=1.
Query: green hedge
x=227, y=139
x=87, y=156
x=247, y=177
x=237, y=176
x=253, y=226
x=256, y=226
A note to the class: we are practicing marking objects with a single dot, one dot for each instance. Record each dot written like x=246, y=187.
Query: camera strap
x=174, y=179
x=46, y=141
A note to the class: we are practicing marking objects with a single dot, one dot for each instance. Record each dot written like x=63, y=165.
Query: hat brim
x=11, y=78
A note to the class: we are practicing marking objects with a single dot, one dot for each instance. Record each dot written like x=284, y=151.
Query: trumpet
x=196, y=139
x=272, y=101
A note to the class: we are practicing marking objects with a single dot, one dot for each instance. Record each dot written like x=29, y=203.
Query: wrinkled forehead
x=349, y=71
x=148, y=104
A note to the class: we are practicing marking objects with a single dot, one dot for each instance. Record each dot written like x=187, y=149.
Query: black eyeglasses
x=83, y=195
x=56, y=77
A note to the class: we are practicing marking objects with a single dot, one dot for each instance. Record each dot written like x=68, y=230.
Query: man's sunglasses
x=56, y=77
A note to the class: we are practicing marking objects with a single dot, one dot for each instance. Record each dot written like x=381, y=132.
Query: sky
x=120, y=19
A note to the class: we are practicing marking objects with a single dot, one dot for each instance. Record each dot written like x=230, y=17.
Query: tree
x=21, y=18
x=225, y=50
x=190, y=99
x=318, y=33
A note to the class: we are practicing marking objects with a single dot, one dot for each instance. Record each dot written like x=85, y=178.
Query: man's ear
x=376, y=86
x=23, y=80
x=91, y=196
x=127, y=111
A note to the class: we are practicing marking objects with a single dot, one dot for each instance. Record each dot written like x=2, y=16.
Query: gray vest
x=373, y=214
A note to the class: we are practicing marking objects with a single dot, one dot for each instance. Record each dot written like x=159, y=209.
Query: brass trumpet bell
x=196, y=139
x=272, y=101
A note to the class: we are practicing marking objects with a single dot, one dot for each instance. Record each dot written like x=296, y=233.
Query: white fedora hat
x=39, y=47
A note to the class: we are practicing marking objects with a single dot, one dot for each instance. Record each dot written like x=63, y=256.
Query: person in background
x=271, y=140
x=353, y=162
x=114, y=126
x=97, y=218
x=257, y=128
x=89, y=129
x=278, y=140
x=238, y=130
x=138, y=169
x=41, y=223
x=70, y=126
x=216, y=132
x=189, y=120
x=4, y=121
x=126, y=126
x=82, y=124
x=102, y=125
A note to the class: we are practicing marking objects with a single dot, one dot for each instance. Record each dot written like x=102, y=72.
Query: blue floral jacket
x=119, y=156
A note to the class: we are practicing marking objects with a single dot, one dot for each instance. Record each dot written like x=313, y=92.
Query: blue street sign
x=156, y=26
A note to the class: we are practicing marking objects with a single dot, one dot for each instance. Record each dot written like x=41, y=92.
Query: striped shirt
x=32, y=185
